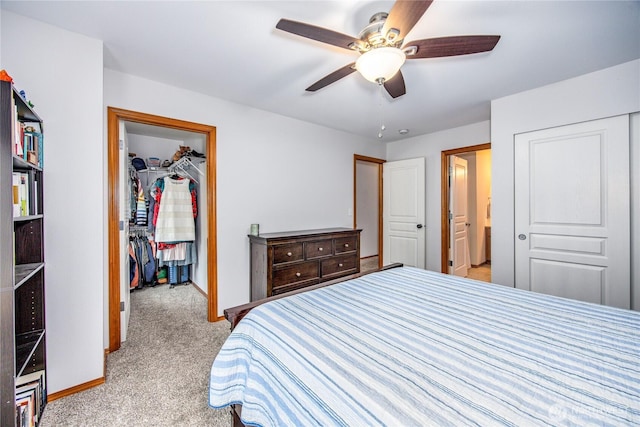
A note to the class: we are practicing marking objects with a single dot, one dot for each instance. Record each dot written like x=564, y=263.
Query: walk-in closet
x=163, y=206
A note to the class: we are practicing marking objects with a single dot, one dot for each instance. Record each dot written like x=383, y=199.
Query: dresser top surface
x=303, y=233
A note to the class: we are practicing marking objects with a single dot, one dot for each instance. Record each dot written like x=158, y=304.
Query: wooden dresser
x=281, y=262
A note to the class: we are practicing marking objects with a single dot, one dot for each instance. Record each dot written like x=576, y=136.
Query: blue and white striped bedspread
x=412, y=347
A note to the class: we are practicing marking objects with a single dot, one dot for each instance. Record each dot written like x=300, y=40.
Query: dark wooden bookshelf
x=22, y=264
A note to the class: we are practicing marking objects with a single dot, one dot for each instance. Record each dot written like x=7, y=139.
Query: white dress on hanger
x=175, y=222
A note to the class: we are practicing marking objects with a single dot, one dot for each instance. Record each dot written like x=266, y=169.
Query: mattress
x=413, y=347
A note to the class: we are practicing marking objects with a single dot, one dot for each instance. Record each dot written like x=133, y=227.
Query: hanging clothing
x=176, y=211
x=190, y=256
x=141, y=206
x=172, y=211
x=133, y=268
x=142, y=260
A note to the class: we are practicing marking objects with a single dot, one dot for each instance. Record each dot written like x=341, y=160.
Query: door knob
x=522, y=237
x=419, y=225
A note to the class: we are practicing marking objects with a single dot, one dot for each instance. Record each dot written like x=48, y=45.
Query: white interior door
x=404, y=212
x=125, y=211
x=458, y=217
x=572, y=211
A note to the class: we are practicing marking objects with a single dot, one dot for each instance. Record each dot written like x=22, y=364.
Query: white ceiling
x=232, y=50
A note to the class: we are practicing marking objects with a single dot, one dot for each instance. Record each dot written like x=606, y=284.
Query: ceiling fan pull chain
x=382, y=126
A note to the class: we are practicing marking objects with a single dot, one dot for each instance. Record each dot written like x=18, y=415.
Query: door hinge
x=121, y=305
x=450, y=215
x=121, y=225
x=121, y=144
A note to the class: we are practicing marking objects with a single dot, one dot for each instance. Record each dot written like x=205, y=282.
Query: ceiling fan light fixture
x=380, y=64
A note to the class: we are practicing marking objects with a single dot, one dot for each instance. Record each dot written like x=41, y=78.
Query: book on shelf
x=26, y=404
x=27, y=138
x=19, y=139
x=20, y=182
x=25, y=193
x=32, y=147
x=24, y=412
x=32, y=192
x=31, y=392
x=15, y=181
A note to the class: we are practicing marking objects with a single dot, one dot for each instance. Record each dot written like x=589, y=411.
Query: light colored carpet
x=160, y=375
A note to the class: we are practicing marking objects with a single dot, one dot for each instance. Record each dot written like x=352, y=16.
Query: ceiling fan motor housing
x=372, y=37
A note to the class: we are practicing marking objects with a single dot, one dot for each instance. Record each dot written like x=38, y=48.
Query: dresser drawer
x=293, y=286
x=339, y=265
x=295, y=273
x=291, y=260
x=318, y=249
x=287, y=253
x=346, y=244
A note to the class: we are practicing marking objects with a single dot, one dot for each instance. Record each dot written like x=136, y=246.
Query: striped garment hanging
x=175, y=222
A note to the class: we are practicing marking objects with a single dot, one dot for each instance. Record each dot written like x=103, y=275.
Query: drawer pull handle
x=340, y=265
x=346, y=245
x=320, y=249
x=289, y=254
x=298, y=274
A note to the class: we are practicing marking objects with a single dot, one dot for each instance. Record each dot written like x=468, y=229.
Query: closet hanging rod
x=183, y=163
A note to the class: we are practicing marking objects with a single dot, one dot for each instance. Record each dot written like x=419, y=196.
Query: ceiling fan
x=382, y=48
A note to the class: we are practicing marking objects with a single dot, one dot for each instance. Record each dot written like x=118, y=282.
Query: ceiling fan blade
x=451, y=46
x=316, y=33
x=395, y=86
x=404, y=15
x=333, y=77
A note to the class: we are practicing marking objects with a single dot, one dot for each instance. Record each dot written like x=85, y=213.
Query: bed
x=408, y=346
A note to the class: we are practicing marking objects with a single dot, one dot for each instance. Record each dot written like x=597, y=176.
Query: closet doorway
x=367, y=209
x=477, y=222
x=115, y=174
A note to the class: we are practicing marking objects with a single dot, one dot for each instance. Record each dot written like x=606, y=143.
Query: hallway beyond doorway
x=481, y=272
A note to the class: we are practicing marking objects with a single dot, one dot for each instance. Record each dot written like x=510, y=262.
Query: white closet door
x=572, y=211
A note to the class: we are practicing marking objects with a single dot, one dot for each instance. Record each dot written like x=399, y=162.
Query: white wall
x=605, y=93
x=430, y=147
x=62, y=73
x=367, y=207
x=281, y=173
